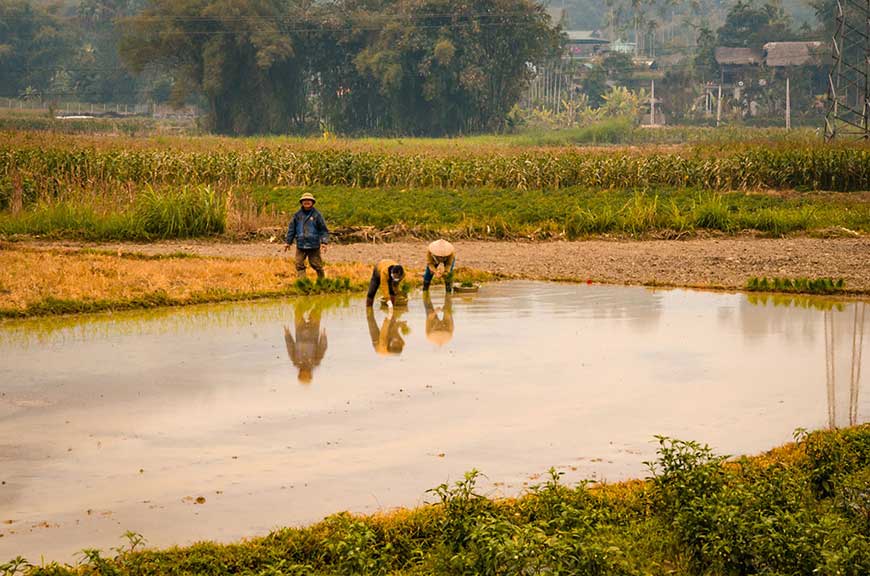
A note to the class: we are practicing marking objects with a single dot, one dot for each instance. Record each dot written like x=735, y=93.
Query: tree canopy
x=394, y=66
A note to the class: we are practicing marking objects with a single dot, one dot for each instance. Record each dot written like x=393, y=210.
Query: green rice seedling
x=797, y=285
x=327, y=285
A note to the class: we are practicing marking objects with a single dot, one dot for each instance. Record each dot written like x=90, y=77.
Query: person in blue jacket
x=309, y=231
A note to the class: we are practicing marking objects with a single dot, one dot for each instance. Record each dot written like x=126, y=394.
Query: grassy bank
x=39, y=283
x=384, y=213
x=146, y=214
x=576, y=212
x=800, y=509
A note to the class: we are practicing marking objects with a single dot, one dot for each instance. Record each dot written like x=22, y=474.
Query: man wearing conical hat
x=440, y=254
x=309, y=231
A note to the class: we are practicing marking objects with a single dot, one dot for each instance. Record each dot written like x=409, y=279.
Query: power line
x=144, y=17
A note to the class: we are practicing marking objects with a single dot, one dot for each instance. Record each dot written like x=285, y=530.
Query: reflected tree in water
x=439, y=329
x=307, y=349
x=388, y=339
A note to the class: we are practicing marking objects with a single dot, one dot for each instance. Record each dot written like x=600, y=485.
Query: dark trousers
x=429, y=274
x=313, y=256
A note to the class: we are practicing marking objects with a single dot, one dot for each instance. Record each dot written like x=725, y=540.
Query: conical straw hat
x=441, y=248
x=440, y=337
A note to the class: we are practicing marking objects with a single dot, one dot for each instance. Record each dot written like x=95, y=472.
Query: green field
x=123, y=188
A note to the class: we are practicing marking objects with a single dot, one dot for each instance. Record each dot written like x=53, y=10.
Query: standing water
x=222, y=422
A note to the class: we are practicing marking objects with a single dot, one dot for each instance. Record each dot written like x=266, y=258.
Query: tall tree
x=241, y=55
x=751, y=26
x=450, y=66
x=97, y=71
x=32, y=42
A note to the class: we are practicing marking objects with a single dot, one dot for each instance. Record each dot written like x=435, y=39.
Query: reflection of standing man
x=308, y=348
x=439, y=330
x=387, y=340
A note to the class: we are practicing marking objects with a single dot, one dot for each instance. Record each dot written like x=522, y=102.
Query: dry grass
x=28, y=277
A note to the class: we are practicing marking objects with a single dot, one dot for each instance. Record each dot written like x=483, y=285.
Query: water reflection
x=308, y=348
x=833, y=358
x=388, y=339
x=439, y=329
x=39, y=332
x=200, y=402
x=844, y=325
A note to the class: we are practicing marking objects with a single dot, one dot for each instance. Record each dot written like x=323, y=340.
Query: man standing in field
x=309, y=231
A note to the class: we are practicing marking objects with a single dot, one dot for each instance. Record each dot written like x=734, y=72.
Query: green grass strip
x=797, y=285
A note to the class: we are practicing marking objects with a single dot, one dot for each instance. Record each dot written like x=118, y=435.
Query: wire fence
x=99, y=109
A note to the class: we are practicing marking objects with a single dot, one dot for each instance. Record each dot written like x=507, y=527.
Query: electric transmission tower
x=849, y=79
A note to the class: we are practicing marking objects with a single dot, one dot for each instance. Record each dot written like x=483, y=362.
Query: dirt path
x=726, y=262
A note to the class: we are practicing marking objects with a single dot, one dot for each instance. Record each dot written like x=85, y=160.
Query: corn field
x=47, y=171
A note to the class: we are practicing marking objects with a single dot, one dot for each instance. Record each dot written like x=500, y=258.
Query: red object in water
x=589, y=281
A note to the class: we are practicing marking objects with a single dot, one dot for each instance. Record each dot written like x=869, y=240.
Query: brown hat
x=441, y=248
x=307, y=196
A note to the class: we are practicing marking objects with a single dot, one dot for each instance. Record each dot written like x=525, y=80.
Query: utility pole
x=652, y=103
x=850, y=73
x=787, y=104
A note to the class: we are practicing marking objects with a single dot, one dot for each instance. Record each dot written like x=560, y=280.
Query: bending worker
x=387, y=275
x=440, y=253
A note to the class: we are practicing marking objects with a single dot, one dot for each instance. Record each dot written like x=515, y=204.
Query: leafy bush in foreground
x=802, y=509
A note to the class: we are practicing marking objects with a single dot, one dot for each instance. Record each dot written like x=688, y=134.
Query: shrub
x=195, y=211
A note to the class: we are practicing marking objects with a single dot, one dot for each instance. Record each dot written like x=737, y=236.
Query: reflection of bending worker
x=440, y=253
x=309, y=346
x=387, y=275
x=439, y=330
x=387, y=339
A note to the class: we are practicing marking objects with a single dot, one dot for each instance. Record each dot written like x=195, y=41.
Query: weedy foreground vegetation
x=121, y=188
x=800, y=509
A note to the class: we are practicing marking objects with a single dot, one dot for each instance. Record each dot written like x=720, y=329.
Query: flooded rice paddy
x=222, y=422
